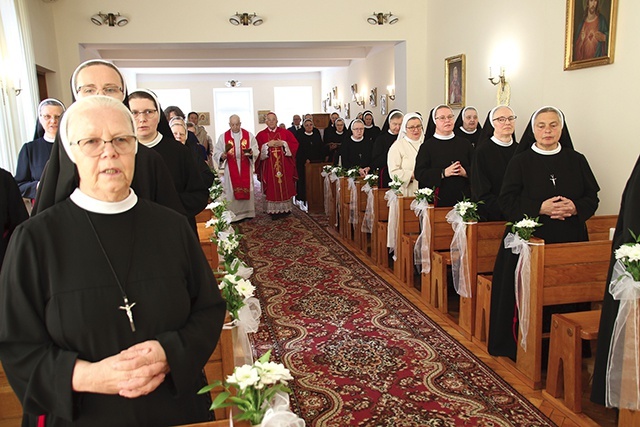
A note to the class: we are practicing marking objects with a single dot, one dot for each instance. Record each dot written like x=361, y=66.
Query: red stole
x=240, y=179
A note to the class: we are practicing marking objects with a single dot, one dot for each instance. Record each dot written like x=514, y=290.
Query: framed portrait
x=347, y=110
x=262, y=116
x=354, y=92
x=590, y=33
x=454, y=79
x=324, y=105
x=204, y=118
x=373, y=97
x=383, y=104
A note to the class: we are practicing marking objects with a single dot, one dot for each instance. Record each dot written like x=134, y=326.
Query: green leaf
x=209, y=387
x=220, y=400
x=265, y=357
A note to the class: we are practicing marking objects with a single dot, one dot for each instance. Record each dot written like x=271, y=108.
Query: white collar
x=308, y=133
x=155, y=141
x=90, y=204
x=391, y=133
x=274, y=130
x=339, y=133
x=501, y=143
x=357, y=140
x=467, y=132
x=368, y=127
x=444, y=137
x=52, y=140
x=556, y=150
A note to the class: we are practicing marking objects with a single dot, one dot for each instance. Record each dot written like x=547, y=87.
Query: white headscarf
x=533, y=118
x=74, y=77
x=403, y=127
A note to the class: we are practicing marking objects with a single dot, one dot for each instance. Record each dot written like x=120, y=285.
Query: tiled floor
x=592, y=415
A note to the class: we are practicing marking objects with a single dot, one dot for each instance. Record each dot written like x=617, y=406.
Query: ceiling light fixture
x=382, y=18
x=110, y=19
x=233, y=83
x=246, y=19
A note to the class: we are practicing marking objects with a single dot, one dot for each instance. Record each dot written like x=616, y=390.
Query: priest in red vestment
x=277, y=167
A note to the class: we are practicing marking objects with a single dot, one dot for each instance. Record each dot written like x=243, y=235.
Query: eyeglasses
x=503, y=120
x=93, y=147
x=47, y=117
x=418, y=127
x=449, y=117
x=90, y=90
x=145, y=114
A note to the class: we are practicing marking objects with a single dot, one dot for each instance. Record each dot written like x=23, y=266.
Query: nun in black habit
x=151, y=180
x=334, y=140
x=34, y=155
x=467, y=125
x=547, y=179
x=628, y=221
x=444, y=160
x=12, y=210
x=310, y=150
x=490, y=163
x=356, y=151
x=388, y=135
x=194, y=194
x=371, y=131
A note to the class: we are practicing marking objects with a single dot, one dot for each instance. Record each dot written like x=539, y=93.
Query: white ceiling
x=214, y=58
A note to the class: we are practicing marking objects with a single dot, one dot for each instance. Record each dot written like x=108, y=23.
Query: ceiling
x=197, y=58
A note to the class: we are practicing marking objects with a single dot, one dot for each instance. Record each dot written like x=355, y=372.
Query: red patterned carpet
x=362, y=354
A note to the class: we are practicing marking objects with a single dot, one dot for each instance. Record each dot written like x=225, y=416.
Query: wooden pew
x=220, y=365
x=10, y=406
x=598, y=228
x=380, y=253
x=363, y=239
x=314, y=186
x=561, y=273
x=346, y=230
x=441, y=235
x=333, y=210
x=408, y=230
x=209, y=248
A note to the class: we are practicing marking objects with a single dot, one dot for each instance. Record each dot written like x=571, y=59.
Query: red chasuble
x=240, y=178
x=278, y=171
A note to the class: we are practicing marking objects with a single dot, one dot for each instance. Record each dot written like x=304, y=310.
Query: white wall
x=201, y=87
x=530, y=38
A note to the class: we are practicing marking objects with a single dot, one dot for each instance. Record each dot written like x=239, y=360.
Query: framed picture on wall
x=262, y=116
x=383, y=104
x=204, y=119
x=590, y=33
x=454, y=79
x=347, y=110
x=373, y=97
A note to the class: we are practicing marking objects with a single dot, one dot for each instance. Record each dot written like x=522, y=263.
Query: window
x=237, y=100
x=292, y=100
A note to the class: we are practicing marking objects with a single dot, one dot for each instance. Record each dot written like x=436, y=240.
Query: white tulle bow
x=623, y=365
x=279, y=414
x=353, y=201
x=392, y=225
x=367, y=219
x=522, y=282
x=422, y=248
x=458, y=252
x=327, y=192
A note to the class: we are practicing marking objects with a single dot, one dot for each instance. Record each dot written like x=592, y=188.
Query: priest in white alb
x=235, y=153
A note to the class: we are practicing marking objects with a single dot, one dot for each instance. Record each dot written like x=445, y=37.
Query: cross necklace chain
x=127, y=306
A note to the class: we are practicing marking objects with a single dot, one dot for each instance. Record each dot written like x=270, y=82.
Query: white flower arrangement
x=371, y=179
x=629, y=255
x=255, y=385
x=395, y=184
x=235, y=290
x=327, y=169
x=354, y=172
x=525, y=227
x=468, y=210
x=425, y=194
x=337, y=171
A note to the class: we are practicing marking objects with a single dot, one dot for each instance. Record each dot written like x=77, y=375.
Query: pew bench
x=564, y=371
x=561, y=273
x=379, y=250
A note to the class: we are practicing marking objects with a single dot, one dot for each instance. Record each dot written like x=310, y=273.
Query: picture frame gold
x=262, y=116
x=383, y=105
x=373, y=97
x=455, y=87
x=590, y=33
x=204, y=118
x=347, y=110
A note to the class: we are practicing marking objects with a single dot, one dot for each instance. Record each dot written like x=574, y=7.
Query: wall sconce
x=246, y=19
x=16, y=87
x=501, y=78
x=382, y=18
x=391, y=90
x=233, y=83
x=110, y=19
x=360, y=100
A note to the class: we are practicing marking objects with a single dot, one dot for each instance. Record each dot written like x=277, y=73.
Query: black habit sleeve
x=12, y=210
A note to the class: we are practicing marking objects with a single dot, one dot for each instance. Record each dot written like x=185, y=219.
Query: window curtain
x=17, y=71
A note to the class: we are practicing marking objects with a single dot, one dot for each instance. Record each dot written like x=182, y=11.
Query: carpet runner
x=361, y=353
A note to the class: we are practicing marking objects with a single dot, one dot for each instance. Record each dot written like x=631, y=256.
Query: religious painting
x=324, y=105
x=334, y=95
x=373, y=97
x=354, y=92
x=204, y=119
x=590, y=33
x=383, y=105
x=262, y=116
x=347, y=110
x=454, y=79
